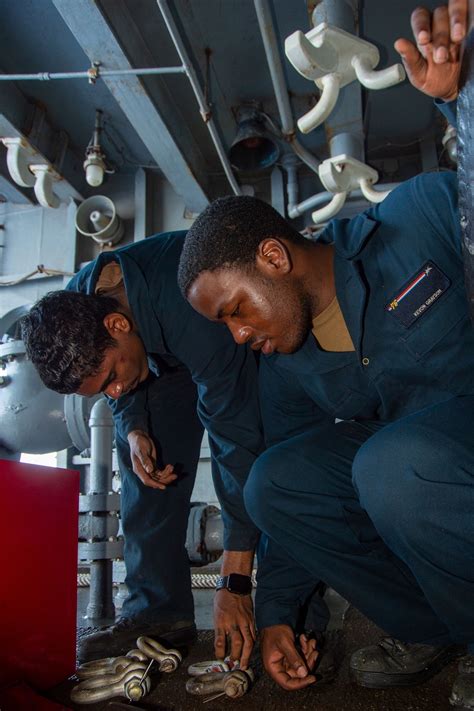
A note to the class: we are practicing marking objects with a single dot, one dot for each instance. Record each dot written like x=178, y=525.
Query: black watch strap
x=235, y=583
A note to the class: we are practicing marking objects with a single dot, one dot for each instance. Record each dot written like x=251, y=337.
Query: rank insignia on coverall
x=418, y=294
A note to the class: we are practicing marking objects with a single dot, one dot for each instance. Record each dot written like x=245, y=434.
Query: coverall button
x=365, y=361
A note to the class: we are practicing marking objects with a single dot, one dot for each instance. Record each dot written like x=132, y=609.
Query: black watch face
x=240, y=584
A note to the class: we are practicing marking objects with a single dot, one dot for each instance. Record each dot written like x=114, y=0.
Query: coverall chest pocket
x=428, y=336
x=340, y=391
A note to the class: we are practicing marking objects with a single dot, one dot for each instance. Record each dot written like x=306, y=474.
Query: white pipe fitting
x=332, y=208
x=326, y=51
x=327, y=101
x=369, y=193
x=380, y=79
x=340, y=175
x=44, y=177
x=19, y=156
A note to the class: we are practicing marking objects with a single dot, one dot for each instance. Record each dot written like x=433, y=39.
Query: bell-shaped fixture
x=254, y=147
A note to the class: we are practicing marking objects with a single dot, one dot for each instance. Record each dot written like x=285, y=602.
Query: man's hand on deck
x=433, y=62
x=143, y=456
x=290, y=669
x=234, y=625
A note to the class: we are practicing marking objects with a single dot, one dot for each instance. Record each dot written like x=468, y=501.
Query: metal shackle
x=233, y=683
x=168, y=659
x=130, y=682
x=110, y=665
x=237, y=683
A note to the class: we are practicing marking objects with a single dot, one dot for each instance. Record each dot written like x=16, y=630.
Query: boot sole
x=182, y=637
x=381, y=680
x=177, y=638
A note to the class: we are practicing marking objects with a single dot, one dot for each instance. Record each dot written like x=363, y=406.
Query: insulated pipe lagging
x=100, y=482
x=102, y=432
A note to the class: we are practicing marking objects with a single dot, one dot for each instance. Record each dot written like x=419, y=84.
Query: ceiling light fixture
x=94, y=165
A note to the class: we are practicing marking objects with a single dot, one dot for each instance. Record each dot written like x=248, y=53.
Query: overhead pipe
x=280, y=89
x=204, y=108
x=92, y=74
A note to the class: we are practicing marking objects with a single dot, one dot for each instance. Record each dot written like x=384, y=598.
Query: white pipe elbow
x=44, y=186
x=325, y=213
x=326, y=103
x=19, y=155
x=372, y=79
x=369, y=193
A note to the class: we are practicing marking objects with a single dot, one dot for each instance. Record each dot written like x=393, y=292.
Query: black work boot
x=394, y=663
x=121, y=637
x=462, y=694
x=331, y=654
x=330, y=646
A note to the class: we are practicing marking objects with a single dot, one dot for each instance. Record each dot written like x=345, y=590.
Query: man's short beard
x=301, y=305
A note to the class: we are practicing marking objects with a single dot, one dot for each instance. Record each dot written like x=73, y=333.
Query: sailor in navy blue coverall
x=380, y=504
x=201, y=378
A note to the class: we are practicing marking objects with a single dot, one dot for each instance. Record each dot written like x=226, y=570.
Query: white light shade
x=94, y=174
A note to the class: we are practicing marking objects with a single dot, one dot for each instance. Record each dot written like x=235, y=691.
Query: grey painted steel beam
x=94, y=34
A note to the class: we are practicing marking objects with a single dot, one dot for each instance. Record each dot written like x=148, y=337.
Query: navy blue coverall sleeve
x=226, y=378
x=448, y=109
x=130, y=410
x=287, y=410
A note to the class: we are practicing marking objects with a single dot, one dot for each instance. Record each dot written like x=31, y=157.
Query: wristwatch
x=235, y=583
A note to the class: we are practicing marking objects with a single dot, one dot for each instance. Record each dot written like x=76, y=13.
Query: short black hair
x=227, y=234
x=65, y=337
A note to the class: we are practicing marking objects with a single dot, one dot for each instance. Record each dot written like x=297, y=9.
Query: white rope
x=205, y=581
x=40, y=269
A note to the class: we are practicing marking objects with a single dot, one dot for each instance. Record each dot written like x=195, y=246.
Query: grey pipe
x=341, y=13
x=345, y=122
x=267, y=30
x=101, y=422
x=204, y=108
x=49, y=76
